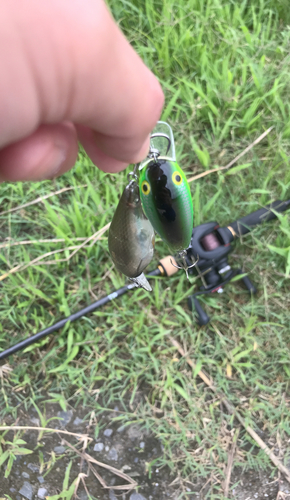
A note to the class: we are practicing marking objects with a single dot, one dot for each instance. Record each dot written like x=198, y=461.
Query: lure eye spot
x=145, y=187
x=176, y=178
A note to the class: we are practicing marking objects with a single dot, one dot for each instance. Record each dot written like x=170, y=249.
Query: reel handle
x=202, y=318
x=248, y=284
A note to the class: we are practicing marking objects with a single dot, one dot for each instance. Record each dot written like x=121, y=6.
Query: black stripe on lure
x=131, y=235
x=165, y=194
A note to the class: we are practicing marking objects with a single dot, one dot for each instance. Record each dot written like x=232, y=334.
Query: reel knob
x=202, y=318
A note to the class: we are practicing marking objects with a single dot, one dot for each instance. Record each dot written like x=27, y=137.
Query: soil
x=126, y=448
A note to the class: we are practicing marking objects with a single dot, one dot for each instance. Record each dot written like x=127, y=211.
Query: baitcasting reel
x=211, y=245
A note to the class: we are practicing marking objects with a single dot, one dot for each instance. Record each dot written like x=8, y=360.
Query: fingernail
x=61, y=157
x=54, y=162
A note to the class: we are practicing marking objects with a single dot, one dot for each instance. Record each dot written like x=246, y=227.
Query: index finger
x=125, y=105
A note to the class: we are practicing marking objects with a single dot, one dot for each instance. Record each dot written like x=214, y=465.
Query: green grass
x=224, y=67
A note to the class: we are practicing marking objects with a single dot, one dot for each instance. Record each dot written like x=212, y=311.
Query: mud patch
x=128, y=448
x=257, y=485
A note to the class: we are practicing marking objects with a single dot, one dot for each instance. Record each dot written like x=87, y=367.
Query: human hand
x=69, y=74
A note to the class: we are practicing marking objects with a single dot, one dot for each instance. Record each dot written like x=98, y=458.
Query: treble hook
x=182, y=255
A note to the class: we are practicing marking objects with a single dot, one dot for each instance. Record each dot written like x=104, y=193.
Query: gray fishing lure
x=131, y=237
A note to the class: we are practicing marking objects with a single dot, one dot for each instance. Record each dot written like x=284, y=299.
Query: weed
x=224, y=67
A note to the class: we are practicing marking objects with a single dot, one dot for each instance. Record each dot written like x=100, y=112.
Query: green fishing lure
x=165, y=193
x=167, y=203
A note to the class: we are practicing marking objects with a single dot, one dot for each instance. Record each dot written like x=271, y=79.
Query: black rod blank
x=73, y=317
x=245, y=224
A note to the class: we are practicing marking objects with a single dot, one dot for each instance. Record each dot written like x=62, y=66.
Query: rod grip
x=167, y=267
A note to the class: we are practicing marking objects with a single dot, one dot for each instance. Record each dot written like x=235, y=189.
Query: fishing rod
x=165, y=268
x=210, y=245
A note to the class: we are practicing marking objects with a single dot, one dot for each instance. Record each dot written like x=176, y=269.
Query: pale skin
x=68, y=74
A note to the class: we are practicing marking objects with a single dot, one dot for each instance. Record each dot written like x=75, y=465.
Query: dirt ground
x=125, y=448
